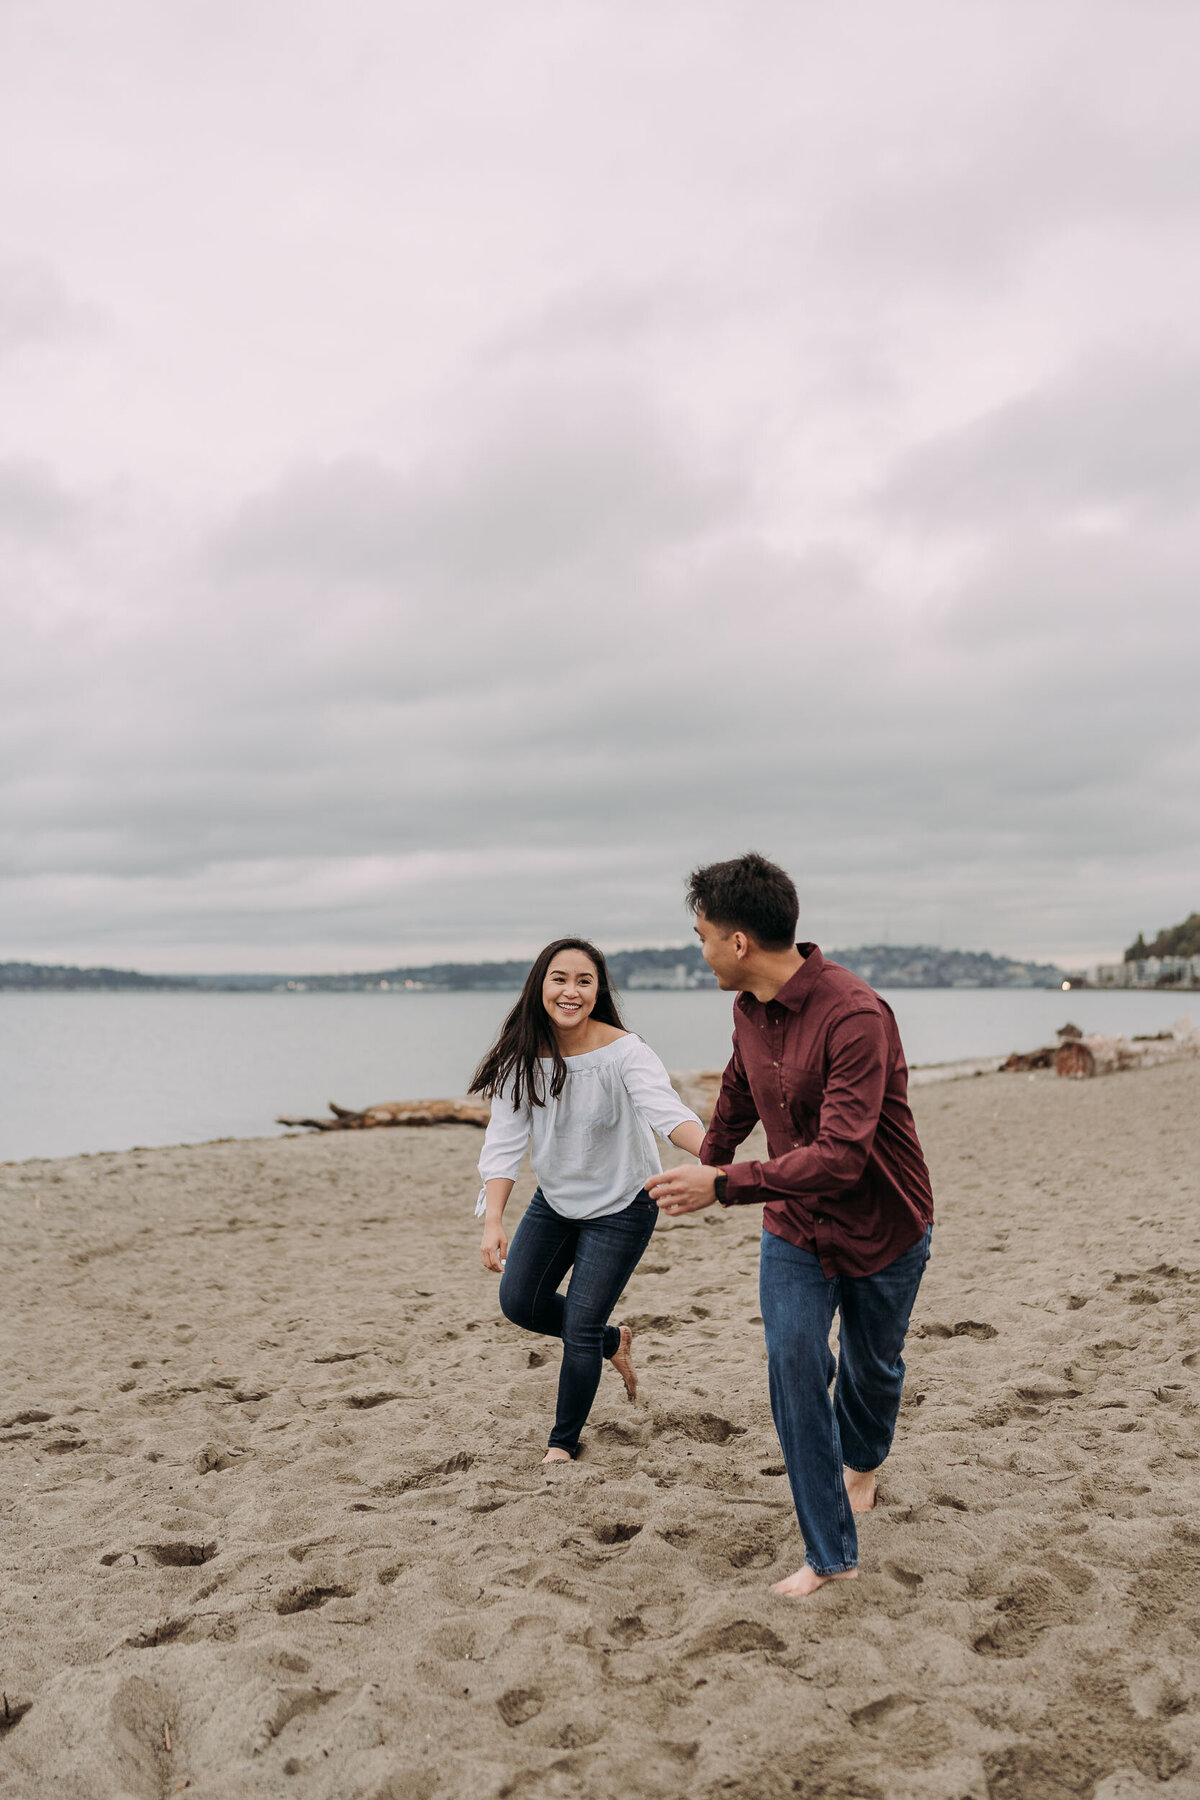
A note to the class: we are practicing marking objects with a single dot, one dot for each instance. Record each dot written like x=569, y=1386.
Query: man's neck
x=771, y=970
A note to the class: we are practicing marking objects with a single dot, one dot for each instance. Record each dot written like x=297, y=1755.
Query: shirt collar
x=797, y=988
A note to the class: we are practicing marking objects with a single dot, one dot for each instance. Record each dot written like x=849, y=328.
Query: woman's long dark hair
x=527, y=1034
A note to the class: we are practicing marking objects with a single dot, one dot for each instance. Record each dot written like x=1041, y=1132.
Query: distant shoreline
x=417, y=990
x=678, y=968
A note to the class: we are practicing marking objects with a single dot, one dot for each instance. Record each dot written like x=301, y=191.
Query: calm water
x=85, y=1072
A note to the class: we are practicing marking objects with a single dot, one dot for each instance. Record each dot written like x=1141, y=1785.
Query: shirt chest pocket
x=802, y=1090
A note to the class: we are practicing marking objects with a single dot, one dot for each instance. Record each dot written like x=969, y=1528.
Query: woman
x=565, y=1072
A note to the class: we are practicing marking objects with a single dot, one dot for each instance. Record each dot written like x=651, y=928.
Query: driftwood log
x=1080, y=1058
x=697, y=1088
x=399, y=1112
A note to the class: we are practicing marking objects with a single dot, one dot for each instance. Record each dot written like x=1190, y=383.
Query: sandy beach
x=273, y=1521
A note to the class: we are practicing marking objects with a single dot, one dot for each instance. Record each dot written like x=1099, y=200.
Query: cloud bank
x=457, y=475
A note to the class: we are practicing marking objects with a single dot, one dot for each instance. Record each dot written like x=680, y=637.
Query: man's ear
x=741, y=945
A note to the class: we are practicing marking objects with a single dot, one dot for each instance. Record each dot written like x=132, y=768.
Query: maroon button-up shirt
x=822, y=1066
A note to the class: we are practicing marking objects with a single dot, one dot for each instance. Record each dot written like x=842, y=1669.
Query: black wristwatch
x=719, y=1187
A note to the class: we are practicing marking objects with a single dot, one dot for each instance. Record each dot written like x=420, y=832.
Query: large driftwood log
x=697, y=1088
x=398, y=1112
x=1080, y=1058
x=1020, y=1060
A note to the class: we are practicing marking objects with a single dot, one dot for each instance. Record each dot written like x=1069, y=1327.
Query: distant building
x=1148, y=972
x=676, y=976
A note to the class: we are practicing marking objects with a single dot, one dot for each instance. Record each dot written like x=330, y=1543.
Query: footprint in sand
x=614, y=1531
x=520, y=1704
x=755, y=1548
x=908, y=1578
x=738, y=1636
x=305, y=1597
x=876, y=1711
x=180, y=1555
x=422, y=1478
x=701, y=1427
x=1034, y=1603
x=12, y=1713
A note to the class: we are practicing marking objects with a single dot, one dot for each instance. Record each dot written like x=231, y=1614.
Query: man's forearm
x=811, y=1172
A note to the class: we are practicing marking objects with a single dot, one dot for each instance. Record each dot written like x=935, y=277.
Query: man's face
x=722, y=951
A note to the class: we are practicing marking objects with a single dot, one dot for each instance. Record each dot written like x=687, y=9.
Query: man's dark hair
x=748, y=894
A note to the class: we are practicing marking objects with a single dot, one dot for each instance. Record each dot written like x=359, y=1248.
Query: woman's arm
x=504, y=1145
x=494, y=1248
x=689, y=1136
x=649, y=1087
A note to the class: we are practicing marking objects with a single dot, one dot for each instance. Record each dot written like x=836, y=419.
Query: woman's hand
x=494, y=1248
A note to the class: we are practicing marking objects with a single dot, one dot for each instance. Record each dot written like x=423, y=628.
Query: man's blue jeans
x=604, y=1252
x=854, y=1429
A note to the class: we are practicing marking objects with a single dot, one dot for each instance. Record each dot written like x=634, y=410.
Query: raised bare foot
x=860, y=1485
x=554, y=1454
x=622, y=1362
x=806, y=1581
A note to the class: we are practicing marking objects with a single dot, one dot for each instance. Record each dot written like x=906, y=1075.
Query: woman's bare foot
x=806, y=1581
x=622, y=1362
x=554, y=1454
x=860, y=1485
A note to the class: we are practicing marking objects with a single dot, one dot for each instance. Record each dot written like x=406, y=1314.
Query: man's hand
x=683, y=1190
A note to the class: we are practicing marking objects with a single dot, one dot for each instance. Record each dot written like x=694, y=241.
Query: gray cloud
x=36, y=308
x=1120, y=430
x=35, y=507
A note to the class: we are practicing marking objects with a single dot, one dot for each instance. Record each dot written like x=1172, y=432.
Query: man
x=847, y=1204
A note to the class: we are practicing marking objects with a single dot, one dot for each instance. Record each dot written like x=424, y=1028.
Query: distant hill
x=1176, y=940
x=925, y=966
x=47, y=976
x=672, y=967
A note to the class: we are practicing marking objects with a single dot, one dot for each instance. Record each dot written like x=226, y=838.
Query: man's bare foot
x=622, y=1362
x=554, y=1454
x=860, y=1485
x=807, y=1581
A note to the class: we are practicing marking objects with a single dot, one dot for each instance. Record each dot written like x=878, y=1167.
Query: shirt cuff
x=743, y=1185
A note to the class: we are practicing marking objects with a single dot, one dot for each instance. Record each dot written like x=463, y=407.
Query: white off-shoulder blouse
x=593, y=1148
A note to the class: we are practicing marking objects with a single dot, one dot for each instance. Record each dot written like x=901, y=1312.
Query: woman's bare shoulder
x=610, y=1034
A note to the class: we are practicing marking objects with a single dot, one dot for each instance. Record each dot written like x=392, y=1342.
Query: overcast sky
x=462, y=466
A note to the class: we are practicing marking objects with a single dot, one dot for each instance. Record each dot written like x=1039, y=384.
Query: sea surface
x=85, y=1072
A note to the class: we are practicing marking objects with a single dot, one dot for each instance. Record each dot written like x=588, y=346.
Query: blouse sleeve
x=504, y=1143
x=649, y=1087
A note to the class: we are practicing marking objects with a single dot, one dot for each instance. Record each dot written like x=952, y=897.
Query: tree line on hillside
x=48, y=977
x=1175, y=940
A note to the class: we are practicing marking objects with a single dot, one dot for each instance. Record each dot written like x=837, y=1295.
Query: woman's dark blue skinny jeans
x=601, y=1254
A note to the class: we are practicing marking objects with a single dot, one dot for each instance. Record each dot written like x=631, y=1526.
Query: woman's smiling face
x=569, y=990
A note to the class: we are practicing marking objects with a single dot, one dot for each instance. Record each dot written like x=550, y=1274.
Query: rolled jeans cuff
x=837, y=1569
